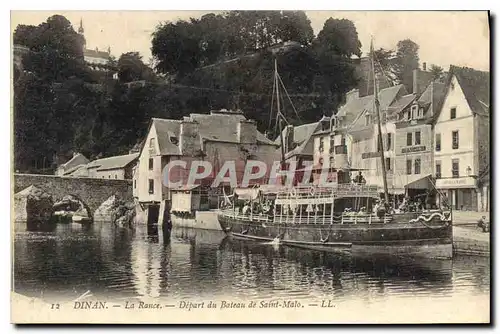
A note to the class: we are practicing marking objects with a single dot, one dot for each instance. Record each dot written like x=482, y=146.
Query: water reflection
x=148, y=261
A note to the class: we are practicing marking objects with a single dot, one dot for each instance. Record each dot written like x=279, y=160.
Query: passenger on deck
x=359, y=179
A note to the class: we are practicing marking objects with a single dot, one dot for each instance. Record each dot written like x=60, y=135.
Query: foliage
x=217, y=61
x=406, y=61
x=437, y=72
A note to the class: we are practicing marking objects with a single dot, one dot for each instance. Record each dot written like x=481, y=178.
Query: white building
x=93, y=57
x=461, y=141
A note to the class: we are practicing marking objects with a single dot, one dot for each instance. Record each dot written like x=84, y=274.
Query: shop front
x=460, y=192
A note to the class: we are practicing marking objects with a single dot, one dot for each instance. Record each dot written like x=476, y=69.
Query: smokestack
x=424, y=66
x=415, y=81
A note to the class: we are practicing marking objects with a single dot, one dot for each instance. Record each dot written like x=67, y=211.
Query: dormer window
x=420, y=113
x=368, y=119
x=174, y=140
x=414, y=112
x=333, y=122
x=324, y=125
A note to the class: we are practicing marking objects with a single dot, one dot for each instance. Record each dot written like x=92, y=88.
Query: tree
x=334, y=47
x=405, y=62
x=338, y=37
x=176, y=46
x=131, y=68
x=437, y=72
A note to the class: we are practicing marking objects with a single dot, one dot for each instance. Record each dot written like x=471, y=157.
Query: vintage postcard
x=250, y=167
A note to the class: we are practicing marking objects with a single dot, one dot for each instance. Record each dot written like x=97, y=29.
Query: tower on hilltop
x=81, y=31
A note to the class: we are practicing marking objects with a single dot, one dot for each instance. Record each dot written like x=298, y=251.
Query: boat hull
x=431, y=239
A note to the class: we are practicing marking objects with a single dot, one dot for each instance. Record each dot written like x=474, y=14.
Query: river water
x=117, y=263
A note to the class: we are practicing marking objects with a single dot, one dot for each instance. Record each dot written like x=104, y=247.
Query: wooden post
x=324, y=212
x=331, y=211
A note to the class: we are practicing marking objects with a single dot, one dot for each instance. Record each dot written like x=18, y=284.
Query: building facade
x=218, y=137
x=462, y=139
x=415, y=140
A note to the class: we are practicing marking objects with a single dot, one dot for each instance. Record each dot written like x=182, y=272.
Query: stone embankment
x=117, y=210
x=468, y=238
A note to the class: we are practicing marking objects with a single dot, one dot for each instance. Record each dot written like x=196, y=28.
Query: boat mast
x=379, y=121
x=279, y=116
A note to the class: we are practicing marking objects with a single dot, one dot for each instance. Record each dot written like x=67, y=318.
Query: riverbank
x=470, y=241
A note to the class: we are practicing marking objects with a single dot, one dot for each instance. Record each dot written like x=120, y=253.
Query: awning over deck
x=422, y=183
x=247, y=193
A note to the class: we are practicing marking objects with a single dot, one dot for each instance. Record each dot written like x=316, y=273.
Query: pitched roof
x=476, y=87
x=119, y=161
x=211, y=126
x=354, y=109
x=401, y=103
x=76, y=160
x=95, y=54
x=301, y=137
x=165, y=130
x=434, y=93
x=74, y=169
x=215, y=126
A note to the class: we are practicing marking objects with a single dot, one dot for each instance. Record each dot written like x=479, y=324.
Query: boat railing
x=328, y=191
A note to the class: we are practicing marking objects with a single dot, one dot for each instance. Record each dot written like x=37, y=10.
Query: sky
x=445, y=38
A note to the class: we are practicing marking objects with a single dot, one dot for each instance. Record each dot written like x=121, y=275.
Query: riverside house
x=217, y=137
x=462, y=140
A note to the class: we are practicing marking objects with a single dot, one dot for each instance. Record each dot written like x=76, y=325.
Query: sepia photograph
x=250, y=167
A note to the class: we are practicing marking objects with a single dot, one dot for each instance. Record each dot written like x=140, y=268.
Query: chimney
x=188, y=137
x=424, y=66
x=247, y=132
x=415, y=81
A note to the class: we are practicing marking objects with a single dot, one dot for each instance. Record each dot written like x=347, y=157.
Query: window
x=368, y=119
x=420, y=113
x=321, y=144
x=455, y=171
x=414, y=110
x=453, y=113
x=417, y=166
x=151, y=163
x=409, y=139
x=438, y=169
x=389, y=141
x=342, y=142
x=325, y=125
x=151, y=186
x=116, y=176
x=388, y=164
x=152, y=143
x=438, y=142
x=454, y=140
x=408, y=166
x=417, y=138
x=135, y=184
x=174, y=140
x=332, y=121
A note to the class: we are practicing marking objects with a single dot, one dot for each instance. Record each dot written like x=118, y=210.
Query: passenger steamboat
x=341, y=216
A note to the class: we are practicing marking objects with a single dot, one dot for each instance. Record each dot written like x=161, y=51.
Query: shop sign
x=412, y=149
x=460, y=182
x=370, y=155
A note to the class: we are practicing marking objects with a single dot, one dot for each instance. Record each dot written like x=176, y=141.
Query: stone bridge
x=90, y=190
